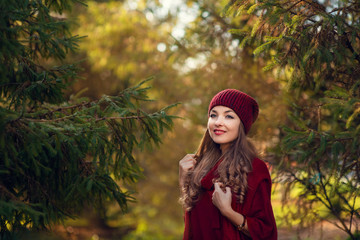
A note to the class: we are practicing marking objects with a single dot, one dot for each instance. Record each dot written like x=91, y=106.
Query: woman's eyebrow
x=227, y=111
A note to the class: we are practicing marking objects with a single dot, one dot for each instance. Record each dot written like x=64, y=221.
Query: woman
x=225, y=188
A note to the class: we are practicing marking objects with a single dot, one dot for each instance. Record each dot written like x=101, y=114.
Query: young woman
x=225, y=188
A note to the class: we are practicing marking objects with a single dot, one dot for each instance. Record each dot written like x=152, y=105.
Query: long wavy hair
x=233, y=170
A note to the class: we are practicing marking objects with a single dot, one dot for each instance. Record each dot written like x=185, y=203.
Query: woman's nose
x=219, y=121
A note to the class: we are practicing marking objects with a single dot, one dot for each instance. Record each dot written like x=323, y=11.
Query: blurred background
x=188, y=49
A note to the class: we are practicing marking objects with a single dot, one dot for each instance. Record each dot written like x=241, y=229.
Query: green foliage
x=58, y=155
x=314, y=46
x=121, y=46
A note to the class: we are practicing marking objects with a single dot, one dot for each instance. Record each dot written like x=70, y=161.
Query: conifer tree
x=315, y=47
x=56, y=154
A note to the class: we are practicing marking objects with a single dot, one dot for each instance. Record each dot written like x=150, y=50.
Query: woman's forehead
x=221, y=108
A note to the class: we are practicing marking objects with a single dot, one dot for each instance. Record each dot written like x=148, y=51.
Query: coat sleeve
x=260, y=217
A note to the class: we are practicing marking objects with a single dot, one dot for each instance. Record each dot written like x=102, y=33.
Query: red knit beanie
x=242, y=104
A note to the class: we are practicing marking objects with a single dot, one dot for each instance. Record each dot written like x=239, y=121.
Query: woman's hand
x=185, y=165
x=222, y=198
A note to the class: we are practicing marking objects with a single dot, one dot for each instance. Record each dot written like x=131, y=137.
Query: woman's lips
x=218, y=132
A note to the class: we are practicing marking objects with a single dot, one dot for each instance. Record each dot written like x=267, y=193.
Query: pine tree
x=57, y=154
x=315, y=47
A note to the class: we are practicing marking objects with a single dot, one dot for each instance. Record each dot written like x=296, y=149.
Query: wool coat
x=205, y=222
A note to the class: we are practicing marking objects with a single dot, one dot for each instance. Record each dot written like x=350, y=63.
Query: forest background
x=300, y=61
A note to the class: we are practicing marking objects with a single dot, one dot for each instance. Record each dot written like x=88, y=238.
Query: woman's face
x=223, y=126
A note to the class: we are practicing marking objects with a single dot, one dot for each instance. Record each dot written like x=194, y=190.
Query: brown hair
x=233, y=170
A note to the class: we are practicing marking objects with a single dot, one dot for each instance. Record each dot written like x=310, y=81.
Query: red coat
x=205, y=222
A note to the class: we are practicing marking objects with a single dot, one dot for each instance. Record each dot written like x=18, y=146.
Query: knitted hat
x=242, y=104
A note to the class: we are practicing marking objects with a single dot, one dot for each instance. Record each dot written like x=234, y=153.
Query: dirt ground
x=323, y=231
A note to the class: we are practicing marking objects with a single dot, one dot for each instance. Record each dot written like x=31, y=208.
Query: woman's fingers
x=228, y=191
x=217, y=186
x=188, y=162
x=185, y=165
x=221, y=197
x=221, y=192
x=220, y=185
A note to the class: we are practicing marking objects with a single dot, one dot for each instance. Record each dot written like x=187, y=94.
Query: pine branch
x=350, y=47
x=5, y=192
x=332, y=209
x=44, y=139
x=292, y=6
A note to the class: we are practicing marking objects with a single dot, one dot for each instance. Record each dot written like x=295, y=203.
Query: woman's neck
x=224, y=148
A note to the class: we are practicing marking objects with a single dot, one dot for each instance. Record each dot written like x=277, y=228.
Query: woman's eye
x=212, y=115
x=229, y=116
